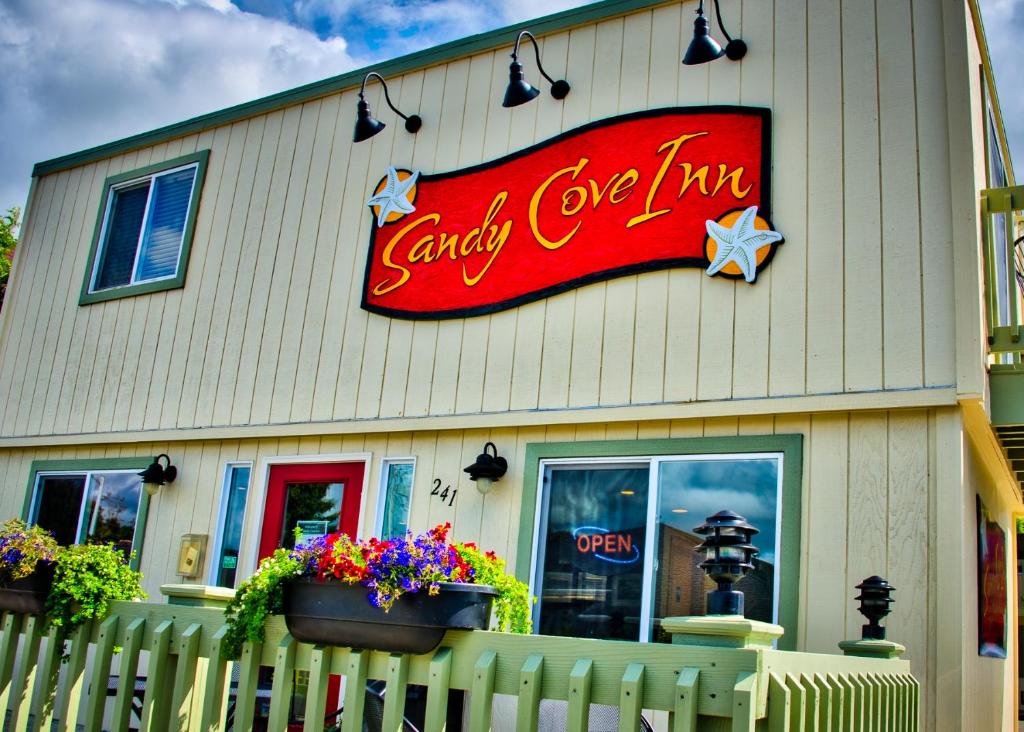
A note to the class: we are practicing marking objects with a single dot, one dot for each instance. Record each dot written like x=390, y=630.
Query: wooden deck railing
x=161, y=666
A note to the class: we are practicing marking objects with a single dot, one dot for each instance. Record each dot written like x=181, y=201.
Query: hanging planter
x=399, y=594
x=28, y=594
x=332, y=613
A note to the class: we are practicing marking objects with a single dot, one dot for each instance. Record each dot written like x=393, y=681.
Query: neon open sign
x=608, y=546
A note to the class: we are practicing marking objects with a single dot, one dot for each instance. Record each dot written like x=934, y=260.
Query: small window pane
x=111, y=509
x=592, y=581
x=162, y=244
x=58, y=505
x=231, y=536
x=122, y=240
x=396, y=502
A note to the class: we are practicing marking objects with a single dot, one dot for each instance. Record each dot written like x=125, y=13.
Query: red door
x=316, y=496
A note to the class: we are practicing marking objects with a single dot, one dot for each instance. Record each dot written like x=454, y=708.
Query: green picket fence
x=161, y=666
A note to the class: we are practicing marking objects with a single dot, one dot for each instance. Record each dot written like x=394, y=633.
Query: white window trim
x=143, y=229
x=382, y=489
x=653, y=463
x=218, y=536
x=33, y=511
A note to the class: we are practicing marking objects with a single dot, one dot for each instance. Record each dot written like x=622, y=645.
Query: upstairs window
x=145, y=229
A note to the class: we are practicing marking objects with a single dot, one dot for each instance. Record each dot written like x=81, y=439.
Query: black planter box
x=28, y=595
x=332, y=613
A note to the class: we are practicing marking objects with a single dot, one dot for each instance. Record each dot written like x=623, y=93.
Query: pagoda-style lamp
x=874, y=605
x=728, y=556
x=157, y=475
x=367, y=125
x=519, y=90
x=488, y=468
x=704, y=48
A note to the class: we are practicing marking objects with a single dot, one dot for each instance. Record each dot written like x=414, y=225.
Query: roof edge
x=403, y=64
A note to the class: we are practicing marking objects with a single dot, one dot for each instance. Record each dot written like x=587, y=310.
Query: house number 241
x=447, y=495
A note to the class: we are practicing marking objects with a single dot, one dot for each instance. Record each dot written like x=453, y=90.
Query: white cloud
x=83, y=73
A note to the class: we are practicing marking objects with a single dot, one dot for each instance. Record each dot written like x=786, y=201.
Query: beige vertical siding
x=871, y=486
x=268, y=328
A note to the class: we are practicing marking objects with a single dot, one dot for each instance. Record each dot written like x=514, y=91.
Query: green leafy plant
x=259, y=596
x=512, y=605
x=87, y=579
x=22, y=548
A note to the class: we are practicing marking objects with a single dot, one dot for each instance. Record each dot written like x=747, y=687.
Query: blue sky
x=79, y=73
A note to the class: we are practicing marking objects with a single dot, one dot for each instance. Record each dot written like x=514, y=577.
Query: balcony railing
x=160, y=666
x=1001, y=210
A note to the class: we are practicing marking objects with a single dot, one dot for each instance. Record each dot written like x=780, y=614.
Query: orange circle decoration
x=764, y=253
x=402, y=175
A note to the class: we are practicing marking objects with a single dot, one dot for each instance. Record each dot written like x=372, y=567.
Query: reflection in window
x=313, y=508
x=236, y=486
x=688, y=492
x=397, y=478
x=595, y=576
x=95, y=507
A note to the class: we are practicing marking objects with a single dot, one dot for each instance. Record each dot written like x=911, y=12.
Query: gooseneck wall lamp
x=728, y=556
x=157, y=475
x=367, y=125
x=704, y=48
x=519, y=90
x=488, y=468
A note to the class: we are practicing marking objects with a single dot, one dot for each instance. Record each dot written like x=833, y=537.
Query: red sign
x=682, y=187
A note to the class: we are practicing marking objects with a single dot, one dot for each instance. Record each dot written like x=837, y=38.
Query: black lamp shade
x=729, y=555
x=519, y=90
x=366, y=124
x=703, y=48
x=874, y=605
x=487, y=466
x=157, y=474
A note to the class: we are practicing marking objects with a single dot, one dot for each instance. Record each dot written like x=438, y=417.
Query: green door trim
x=791, y=446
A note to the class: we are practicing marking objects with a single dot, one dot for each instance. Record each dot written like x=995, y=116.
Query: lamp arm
x=387, y=96
x=536, y=51
x=718, y=13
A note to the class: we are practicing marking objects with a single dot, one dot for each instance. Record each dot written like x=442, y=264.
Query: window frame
x=382, y=490
x=87, y=466
x=627, y=451
x=218, y=538
x=198, y=160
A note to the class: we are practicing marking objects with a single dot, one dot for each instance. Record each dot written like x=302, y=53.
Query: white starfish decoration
x=740, y=243
x=395, y=196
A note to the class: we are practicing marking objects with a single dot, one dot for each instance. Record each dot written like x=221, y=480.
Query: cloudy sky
x=78, y=73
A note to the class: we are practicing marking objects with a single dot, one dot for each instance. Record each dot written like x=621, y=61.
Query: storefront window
x=617, y=547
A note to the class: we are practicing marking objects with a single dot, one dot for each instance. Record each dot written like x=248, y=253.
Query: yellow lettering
x=568, y=207
x=385, y=286
x=535, y=205
x=495, y=241
x=622, y=188
x=598, y=195
x=422, y=249
x=734, y=176
x=689, y=176
x=673, y=147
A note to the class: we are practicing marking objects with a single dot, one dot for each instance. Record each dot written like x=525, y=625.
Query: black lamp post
x=367, y=125
x=157, y=475
x=704, y=48
x=519, y=90
x=728, y=556
x=874, y=605
x=487, y=469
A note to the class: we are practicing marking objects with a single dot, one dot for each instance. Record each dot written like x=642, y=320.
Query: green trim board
x=791, y=446
x=200, y=159
x=125, y=463
x=351, y=80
